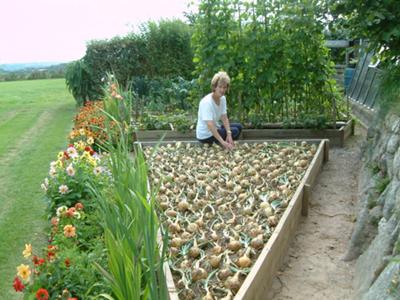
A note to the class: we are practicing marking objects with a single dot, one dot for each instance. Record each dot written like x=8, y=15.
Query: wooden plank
x=337, y=43
x=172, y=292
x=260, y=278
x=164, y=134
x=334, y=135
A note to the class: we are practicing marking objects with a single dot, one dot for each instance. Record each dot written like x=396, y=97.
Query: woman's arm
x=227, y=126
x=214, y=131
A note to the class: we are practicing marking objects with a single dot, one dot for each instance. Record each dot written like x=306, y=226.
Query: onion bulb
x=234, y=245
x=245, y=261
x=194, y=251
x=257, y=242
x=199, y=274
x=233, y=282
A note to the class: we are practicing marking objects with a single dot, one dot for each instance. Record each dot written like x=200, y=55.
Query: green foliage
x=79, y=82
x=135, y=260
x=168, y=49
x=274, y=53
x=389, y=91
x=161, y=94
x=382, y=183
x=377, y=21
x=159, y=50
x=179, y=120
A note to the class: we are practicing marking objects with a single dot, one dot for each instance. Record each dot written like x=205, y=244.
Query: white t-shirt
x=209, y=111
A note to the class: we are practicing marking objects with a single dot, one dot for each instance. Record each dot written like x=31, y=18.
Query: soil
x=314, y=266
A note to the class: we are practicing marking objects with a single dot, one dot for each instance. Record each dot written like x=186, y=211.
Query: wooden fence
x=365, y=83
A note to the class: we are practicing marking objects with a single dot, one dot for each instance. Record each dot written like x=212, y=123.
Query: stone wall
x=375, y=241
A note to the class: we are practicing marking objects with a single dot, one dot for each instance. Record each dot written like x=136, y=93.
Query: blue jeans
x=236, y=129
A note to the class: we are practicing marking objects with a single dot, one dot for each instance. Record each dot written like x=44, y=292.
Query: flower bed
x=65, y=269
x=221, y=208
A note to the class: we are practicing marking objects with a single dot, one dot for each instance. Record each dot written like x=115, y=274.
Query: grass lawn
x=35, y=119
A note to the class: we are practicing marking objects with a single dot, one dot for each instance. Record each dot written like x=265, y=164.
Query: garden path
x=16, y=150
x=313, y=268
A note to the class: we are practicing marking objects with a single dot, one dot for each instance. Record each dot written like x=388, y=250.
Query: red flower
x=67, y=262
x=66, y=155
x=42, y=294
x=51, y=256
x=18, y=285
x=88, y=149
x=37, y=261
x=73, y=298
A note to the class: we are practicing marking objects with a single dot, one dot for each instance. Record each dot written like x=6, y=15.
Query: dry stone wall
x=375, y=241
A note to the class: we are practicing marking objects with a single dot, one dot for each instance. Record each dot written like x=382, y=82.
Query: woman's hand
x=227, y=146
x=229, y=139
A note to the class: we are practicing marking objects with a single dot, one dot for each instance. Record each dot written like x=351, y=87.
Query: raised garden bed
x=336, y=137
x=297, y=176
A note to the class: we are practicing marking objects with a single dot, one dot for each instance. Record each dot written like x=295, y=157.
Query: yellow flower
x=59, y=163
x=90, y=141
x=80, y=145
x=28, y=250
x=69, y=231
x=86, y=156
x=72, y=134
x=60, y=155
x=92, y=161
x=23, y=271
x=82, y=131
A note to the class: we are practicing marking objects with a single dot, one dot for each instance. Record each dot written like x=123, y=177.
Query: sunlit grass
x=35, y=118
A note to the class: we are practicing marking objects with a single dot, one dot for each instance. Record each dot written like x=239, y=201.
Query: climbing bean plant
x=274, y=52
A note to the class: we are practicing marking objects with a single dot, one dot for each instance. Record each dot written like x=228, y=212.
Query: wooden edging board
x=260, y=278
x=336, y=136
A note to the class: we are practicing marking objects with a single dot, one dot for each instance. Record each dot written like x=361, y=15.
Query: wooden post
x=353, y=126
x=326, y=150
x=306, y=197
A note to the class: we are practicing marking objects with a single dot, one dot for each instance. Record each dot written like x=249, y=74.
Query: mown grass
x=35, y=118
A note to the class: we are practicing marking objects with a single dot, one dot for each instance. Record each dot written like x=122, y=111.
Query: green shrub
x=79, y=82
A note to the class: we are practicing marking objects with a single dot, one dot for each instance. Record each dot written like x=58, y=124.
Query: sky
x=58, y=30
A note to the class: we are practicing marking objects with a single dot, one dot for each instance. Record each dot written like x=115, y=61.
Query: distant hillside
x=28, y=71
x=25, y=66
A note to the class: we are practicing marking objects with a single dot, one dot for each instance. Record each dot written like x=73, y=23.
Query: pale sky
x=58, y=30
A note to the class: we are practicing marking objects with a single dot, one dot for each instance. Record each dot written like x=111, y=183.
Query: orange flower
x=79, y=206
x=54, y=221
x=70, y=212
x=69, y=231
